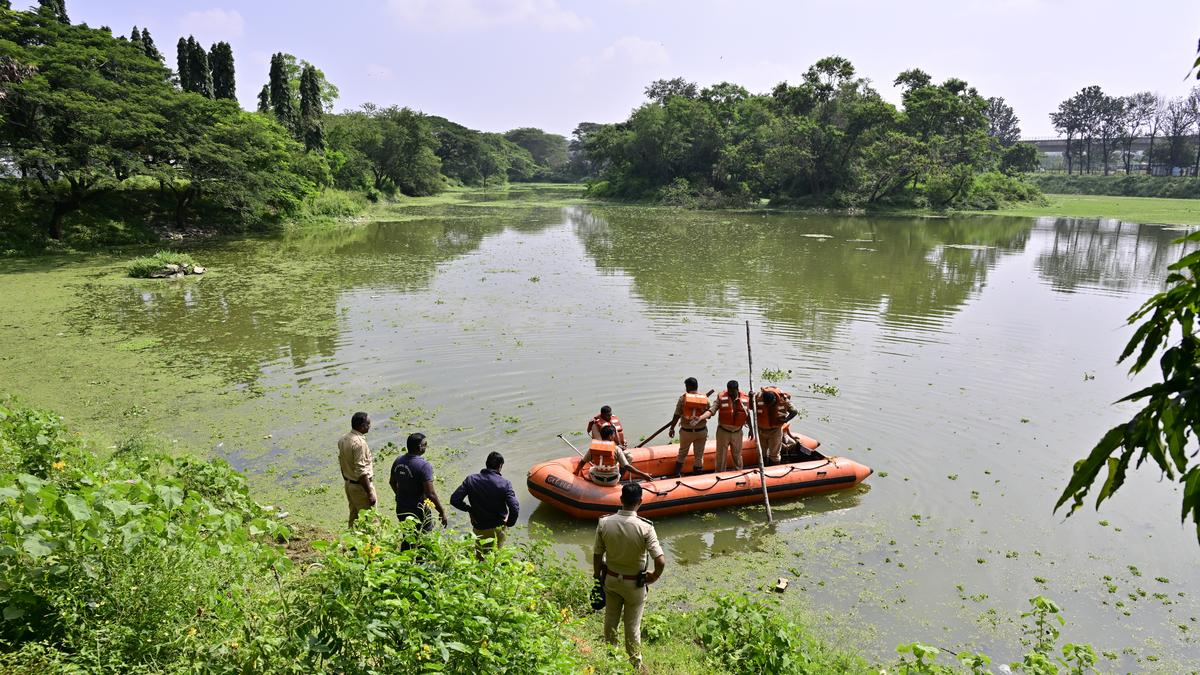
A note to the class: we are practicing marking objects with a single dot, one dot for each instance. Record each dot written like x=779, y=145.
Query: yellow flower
x=233, y=645
x=191, y=631
x=59, y=465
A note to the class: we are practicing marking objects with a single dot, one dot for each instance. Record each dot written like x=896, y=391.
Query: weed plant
x=141, y=268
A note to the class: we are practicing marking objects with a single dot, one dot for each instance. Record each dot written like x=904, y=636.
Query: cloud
x=627, y=53
x=449, y=15
x=214, y=24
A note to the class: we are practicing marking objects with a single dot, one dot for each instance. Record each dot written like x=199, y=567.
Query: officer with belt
x=692, y=433
x=732, y=409
x=625, y=545
x=358, y=466
x=775, y=410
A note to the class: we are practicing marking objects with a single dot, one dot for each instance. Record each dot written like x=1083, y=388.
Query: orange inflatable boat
x=556, y=483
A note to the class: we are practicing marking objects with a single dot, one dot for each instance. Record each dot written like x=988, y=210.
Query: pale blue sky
x=500, y=64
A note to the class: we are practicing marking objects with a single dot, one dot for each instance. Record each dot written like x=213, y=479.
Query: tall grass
x=143, y=267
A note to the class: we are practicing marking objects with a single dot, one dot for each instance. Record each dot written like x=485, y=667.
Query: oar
x=663, y=427
x=560, y=437
x=762, y=466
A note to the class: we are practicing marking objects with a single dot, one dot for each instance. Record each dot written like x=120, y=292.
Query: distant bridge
x=1059, y=145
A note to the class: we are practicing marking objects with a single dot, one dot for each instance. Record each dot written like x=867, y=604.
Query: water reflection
x=1108, y=254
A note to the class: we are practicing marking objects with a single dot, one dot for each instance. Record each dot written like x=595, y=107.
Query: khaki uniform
x=691, y=439
x=729, y=440
x=354, y=456
x=772, y=437
x=629, y=544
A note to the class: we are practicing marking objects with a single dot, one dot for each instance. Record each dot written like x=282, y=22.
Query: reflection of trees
x=274, y=298
x=903, y=267
x=1107, y=254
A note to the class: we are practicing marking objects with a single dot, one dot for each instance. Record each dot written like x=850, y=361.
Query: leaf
x=36, y=546
x=77, y=507
x=13, y=613
x=1086, y=469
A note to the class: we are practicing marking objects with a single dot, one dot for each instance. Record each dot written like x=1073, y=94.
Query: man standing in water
x=412, y=481
x=358, y=466
x=692, y=436
x=625, y=545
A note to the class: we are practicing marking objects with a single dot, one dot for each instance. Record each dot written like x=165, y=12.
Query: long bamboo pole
x=754, y=430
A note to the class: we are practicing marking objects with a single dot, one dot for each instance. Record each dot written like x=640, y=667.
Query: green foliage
x=1119, y=186
x=1019, y=158
x=143, y=267
x=334, y=203
x=744, y=635
x=310, y=110
x=995, y=190
x=548, y=151
x=388, y=149
x=138, y=560
x=371, y=607
x=220, y=60
x=1162, y=430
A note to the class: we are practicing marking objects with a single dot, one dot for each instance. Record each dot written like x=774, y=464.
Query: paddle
x=663, y=427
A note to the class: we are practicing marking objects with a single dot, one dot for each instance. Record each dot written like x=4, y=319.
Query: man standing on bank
x=412, y=481
x=625, y=545
x=493, y=505
x=732, y=409
x=358, y=466
x=692, y=435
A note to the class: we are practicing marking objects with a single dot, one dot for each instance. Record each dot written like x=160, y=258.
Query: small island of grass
x=162, y=265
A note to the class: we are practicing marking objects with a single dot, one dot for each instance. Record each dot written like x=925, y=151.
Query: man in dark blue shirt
x=493, y=504
x=412, y=481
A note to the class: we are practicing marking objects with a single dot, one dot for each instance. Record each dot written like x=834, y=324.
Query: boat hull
x=555, y=482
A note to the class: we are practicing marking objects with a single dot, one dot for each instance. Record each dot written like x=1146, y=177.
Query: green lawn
x=1133, y=209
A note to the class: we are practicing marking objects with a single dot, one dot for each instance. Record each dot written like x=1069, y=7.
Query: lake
x=968, y=360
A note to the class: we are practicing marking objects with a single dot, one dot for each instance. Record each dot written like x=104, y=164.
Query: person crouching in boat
x=793, y=447
x=732, y=409
x=609, y=460
x=606, y=418
x=774, y=410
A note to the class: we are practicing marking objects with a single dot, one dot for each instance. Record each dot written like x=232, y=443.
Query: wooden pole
x=762, y=465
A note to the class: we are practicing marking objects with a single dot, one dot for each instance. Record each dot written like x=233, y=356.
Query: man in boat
x=793, y=446
x=489, y=499
x=692, y=437
x=598, y=451
x=358, y=466
x=732, y=409
x=412, y=481
x=604, y=419
x=625, y=545
x=774, y=410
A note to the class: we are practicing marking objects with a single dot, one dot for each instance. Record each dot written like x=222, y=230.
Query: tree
x=199, y=77
x=56, y=9
x=1067, y=121
x=1140, y=112
x=394, y=146
x=1110, y=124
x=310, y=110
x=183, y=65
x=281, y=95
x=292, y=68
x=1020, y=158
x=5, y=4
x=1003, y=124
x=220, y=61
x=264, y=100
x=547, y=150
x=149, y=47
x=1176, y=120
x=827, y=75
x=660, y=90
x=1162, y=431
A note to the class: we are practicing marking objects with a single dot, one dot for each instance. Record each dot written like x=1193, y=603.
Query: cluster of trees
x=1101, y=130
x=830, y=139
x=96, y=124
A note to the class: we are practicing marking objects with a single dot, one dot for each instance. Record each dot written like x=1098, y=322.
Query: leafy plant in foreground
x=1163, y=429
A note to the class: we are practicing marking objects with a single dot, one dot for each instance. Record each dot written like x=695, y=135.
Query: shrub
x=994, y=190
x=143, y=267
x=331, y=203
x=1118, y=185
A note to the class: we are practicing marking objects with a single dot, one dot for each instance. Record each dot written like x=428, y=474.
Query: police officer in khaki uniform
x=358, y=466
x=775, y=410
x=732, y=408
x=692, y=434
x=625, y=545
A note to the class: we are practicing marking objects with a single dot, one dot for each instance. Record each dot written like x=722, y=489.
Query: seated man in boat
x=606, y=418
x=795, y=446
x=605, y=452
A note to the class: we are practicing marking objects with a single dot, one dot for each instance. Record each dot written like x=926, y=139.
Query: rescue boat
x=556, y=483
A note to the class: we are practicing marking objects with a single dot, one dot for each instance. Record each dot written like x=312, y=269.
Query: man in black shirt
x=492, y=503
x=412, y=481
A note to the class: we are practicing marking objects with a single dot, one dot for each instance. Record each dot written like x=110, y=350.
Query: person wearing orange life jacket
x=792, y=445
x=692, y=434
x=775, y=409
x=604, y=451
x=732, y=409
x=606, y=418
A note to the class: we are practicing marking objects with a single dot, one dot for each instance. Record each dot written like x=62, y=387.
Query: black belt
x=704, y=429
x=627, y=577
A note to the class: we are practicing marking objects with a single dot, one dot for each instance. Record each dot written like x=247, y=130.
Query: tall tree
x=1003, y=124
x=1140, y=111
x=661, y=90
x=183, y=64
x=199, y=72
x=149, y=47
x=311, y=109
x=220, y=61
x=281, y=95
x=264, y=99
x=56, y=9
x=1066, y=121
x=5, y=4
x=1110, y=123
x=135, y=36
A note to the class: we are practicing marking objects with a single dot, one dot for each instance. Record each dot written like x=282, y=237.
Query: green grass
x=1133, y=209
x=143, y=267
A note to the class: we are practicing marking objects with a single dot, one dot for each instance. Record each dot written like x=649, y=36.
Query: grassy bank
x=1118, y=185
x=1133, y=209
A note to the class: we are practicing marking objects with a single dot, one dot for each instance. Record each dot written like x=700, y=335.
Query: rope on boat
x=719, y=479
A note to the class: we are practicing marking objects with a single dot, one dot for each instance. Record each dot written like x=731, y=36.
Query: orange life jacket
x=730, y=414
x=603, y=452
x=694, y=405
x=771, y=418
x=599, y=422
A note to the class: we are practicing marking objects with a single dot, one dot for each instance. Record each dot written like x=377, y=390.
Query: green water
x=973, y=360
